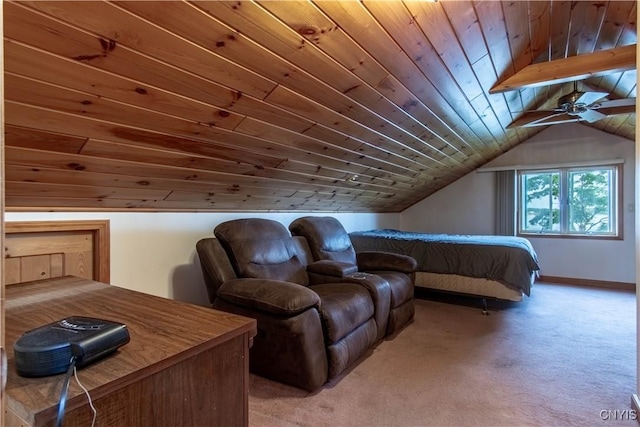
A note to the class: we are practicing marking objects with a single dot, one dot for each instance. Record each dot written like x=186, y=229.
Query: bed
x=501, y=267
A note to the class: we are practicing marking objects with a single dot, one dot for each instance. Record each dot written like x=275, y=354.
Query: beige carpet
x=559, y=358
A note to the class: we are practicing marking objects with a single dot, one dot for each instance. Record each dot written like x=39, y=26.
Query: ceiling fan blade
x=543, y=118
x=591, y=116
x=572, y=68
x=533, y=118
x=622, y=102
x=558, y=119
x=589, y=98
x=612, y=111
x=541, y=110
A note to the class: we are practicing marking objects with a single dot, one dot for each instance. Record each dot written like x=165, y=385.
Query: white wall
x=468, y=205
x=155, y=252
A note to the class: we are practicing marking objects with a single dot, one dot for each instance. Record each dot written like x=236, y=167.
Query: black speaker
x=47, y=350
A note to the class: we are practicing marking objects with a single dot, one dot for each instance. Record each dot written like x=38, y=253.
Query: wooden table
x=184, y=366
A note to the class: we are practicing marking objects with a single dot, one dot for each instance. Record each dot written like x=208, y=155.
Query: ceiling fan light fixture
x=575, y=109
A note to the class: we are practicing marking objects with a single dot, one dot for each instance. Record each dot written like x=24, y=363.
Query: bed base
x=467, y=286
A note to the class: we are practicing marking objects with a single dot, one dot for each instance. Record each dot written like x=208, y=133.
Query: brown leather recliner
x=307, y=333
x=328, y=240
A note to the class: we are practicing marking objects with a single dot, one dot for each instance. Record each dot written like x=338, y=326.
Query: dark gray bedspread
x=507, y=259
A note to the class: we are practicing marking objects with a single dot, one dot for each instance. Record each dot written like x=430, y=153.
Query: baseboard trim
x=625, y=286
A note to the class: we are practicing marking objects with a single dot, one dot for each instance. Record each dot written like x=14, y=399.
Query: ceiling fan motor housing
x=569, y=103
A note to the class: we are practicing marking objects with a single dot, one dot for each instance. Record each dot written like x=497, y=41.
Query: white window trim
x=552, y=166
x=564, y=171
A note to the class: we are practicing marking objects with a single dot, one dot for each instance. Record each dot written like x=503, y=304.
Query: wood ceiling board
x=357, y=101
x=57, y=121
x=483, y=68
x=49, y=160
x=619, y=19
x=33, y=138
x=370, y=107
x=37, y=189
x=158, y=74
x=120, y=114
x=308, y=21
x=579, y=14
x=69, y=177
x=317, y=200
x=559, y=38
x=118, y=151
x=444, y=41
x=234, y=204
x=45, y=95
x=539, y=30
x=517, y=24
x=629, y=34
x=80, y=77
x=362, y=28
x=53, y=36
x=292, y=101
x=464, y=21
x=310, y=146
x=120, y=28
x=404, y=30
x=590, y=31
x=108, y=181
x=318, y=29
x=491, y=19
x=288, y=171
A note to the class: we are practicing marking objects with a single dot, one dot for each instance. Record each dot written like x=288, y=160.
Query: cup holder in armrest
x=360, y=275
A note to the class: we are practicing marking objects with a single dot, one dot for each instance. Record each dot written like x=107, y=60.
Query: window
x=569, y=201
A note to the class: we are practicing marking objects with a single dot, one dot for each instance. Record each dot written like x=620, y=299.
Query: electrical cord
x=65, y=390
x=93, y=409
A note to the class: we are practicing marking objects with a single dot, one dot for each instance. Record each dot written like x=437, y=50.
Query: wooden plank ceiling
x=279, y=105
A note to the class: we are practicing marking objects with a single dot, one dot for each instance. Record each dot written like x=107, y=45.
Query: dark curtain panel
x=505, y=203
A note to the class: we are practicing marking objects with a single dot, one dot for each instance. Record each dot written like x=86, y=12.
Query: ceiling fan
x=576, y=106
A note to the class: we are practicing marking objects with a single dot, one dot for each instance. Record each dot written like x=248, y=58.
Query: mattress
x=508, y=260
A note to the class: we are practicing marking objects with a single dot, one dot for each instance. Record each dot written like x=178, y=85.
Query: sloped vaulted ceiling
x=280, y=105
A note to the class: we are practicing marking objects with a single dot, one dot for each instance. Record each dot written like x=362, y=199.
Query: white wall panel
x=155, y=252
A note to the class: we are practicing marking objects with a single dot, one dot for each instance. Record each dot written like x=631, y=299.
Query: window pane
x=541, y=202
x=590, y=201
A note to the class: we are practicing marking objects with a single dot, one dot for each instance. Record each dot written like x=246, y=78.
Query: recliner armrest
x=332, y=268
x=271, y=296
x=377, y=260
